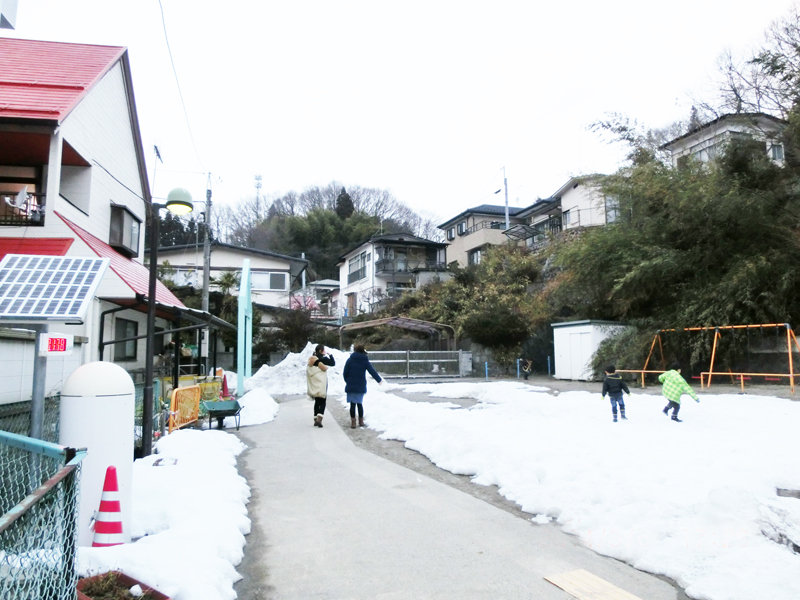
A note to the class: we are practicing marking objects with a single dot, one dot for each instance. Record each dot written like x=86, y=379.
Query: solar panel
x=48, y=288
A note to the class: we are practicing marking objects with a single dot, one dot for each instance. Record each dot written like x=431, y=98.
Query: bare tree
x=768, y=80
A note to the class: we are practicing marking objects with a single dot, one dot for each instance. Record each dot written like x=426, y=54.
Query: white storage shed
x=575, y=344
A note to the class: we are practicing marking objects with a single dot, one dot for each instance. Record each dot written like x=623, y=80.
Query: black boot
x=622, y=414
x=676, y=419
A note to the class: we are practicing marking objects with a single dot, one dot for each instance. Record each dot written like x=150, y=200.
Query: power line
x=180, y=93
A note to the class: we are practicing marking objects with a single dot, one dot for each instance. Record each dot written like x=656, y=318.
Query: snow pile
x=190, y=515
x=695, y=501
x=289, y=376
x=257, y=407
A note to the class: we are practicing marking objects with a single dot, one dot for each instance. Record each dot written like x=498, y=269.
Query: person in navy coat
x=355, y=379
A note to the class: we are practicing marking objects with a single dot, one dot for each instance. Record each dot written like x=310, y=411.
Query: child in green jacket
x=674, y=387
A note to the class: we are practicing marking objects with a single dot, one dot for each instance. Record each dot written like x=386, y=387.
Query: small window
x=124, y=234
x=612, y=209
x=566, y=217
x=451, y=233
x=461, y=228
x=776, y=152
x=277, y=281
x=123, y=328
x=475, y=257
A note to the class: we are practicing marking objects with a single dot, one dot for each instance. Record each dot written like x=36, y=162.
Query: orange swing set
x=705, y=376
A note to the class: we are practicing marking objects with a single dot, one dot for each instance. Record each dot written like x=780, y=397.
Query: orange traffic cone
x=108, y=523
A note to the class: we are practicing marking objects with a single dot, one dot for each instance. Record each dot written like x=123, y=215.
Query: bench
x=221, y=409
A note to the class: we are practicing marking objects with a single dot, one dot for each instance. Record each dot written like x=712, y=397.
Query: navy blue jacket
x=355, y=373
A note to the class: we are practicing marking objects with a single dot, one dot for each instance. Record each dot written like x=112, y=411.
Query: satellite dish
x=20, y=200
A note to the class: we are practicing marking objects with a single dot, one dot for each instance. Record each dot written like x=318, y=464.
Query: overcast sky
x=429, y=99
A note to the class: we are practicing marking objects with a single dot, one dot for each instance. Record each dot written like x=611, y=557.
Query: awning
x=174, y=313
x=133, y=273
x=35, y=246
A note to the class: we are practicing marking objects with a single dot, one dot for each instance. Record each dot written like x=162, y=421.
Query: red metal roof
x=38, y=246
x=135, y=274
x=45, y=80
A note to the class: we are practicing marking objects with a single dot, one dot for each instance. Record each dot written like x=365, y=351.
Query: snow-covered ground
x=695, y=501
x=189, y=512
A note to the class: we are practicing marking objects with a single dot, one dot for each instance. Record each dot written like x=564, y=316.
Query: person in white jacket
x=317, y=381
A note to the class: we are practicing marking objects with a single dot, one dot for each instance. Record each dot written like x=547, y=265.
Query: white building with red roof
x=73, y=182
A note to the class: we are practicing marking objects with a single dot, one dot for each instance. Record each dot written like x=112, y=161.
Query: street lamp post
x=179, y=202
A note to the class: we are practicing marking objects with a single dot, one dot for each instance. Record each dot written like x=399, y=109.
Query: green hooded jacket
x=675, y=386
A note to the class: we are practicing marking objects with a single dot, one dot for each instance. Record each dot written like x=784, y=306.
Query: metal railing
x=417, y=363
x=15, y=417
x=484, y=225
x=38, y=526
x=356, y=275
x=29, y=213
x=386, y=265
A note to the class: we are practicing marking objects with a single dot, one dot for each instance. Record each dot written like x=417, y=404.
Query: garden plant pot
x=115, y=586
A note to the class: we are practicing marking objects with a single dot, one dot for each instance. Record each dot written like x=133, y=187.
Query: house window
x=124, y=234
x=566, y=217
x=462, y=227
x=474, y=256
x=451, y=233
x=776, y=152
x=612, y=209
x=357, y=268
x=272, y=282
x=123, y=328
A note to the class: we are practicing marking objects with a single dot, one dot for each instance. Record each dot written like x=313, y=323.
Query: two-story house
x=73, y=182
x=274, y=277
x=470, y=232
x=386, y=266
x=577, y=204
x=704, y=143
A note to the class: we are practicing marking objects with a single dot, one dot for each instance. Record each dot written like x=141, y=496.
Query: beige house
x=470, y=232
x=705, y=142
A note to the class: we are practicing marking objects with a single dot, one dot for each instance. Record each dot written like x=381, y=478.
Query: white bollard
x=97, y=405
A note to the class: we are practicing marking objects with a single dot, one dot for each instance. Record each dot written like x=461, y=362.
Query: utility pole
x=505, y=184
x=258, y=200
x=207, y=247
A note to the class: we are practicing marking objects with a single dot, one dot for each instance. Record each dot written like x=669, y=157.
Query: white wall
x=575, y=346
x=16, y=377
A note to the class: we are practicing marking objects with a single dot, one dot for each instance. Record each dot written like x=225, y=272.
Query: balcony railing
x=356, y=275
x=484, y=225
x=25, y=213
x=407, y=265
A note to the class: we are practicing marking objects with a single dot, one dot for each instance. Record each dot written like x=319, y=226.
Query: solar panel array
x=54, y=288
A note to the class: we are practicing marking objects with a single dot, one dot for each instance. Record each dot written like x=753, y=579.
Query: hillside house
x=469, y=233
x=384, y=267
x=705, y=142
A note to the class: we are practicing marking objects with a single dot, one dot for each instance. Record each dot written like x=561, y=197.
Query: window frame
x=125, y=354
x=117, y=239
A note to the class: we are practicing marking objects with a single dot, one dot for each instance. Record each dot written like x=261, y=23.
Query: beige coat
x=316, y=380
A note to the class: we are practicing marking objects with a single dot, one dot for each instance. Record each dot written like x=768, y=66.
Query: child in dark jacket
x=613, y=385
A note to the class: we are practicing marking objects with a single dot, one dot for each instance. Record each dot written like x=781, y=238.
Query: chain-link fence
x=418, y=363
x=38, y=526
x=16, y=418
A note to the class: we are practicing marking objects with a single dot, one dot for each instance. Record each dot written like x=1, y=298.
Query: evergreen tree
x=344, y=205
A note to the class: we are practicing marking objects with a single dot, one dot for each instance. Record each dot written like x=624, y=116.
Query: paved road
x=333, y=520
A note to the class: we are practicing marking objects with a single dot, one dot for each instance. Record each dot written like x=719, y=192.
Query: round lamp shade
x=179, y=201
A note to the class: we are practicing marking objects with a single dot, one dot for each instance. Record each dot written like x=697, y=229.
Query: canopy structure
x=440, y=330
x=184, y=320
